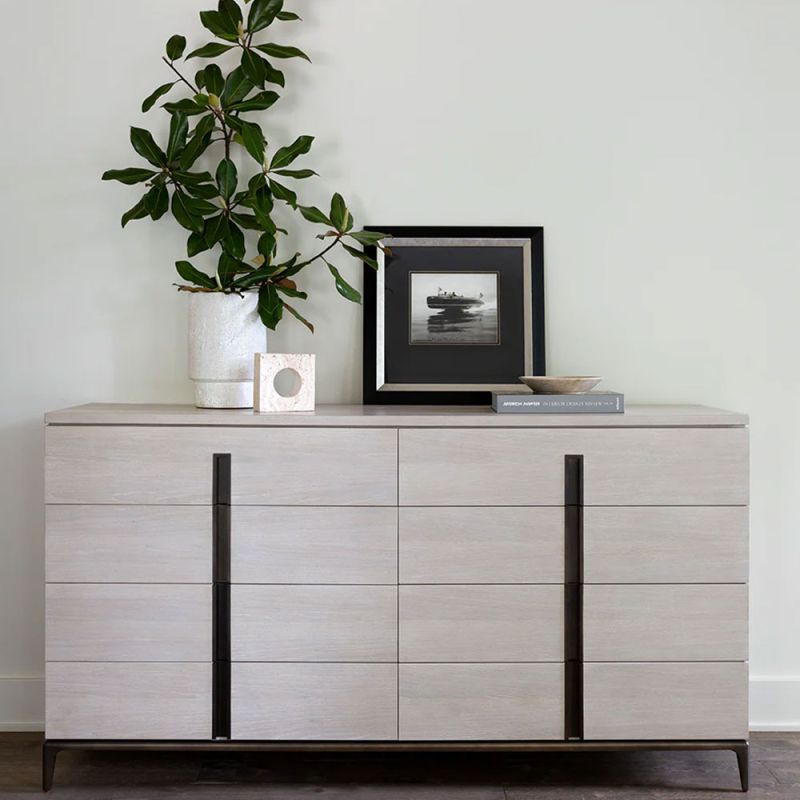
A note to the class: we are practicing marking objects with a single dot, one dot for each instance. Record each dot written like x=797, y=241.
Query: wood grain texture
x=335, y=467
x=128, y=544
x=114, y=465
x=481, y=545
x=128, y=622
x=313, y=545
x=689, y=466
x=481, y=623
x=666, y=544
x=481, y=701
x=314, y=701
x=128, y=701
x=391, y=417
x=314, y=623
x=665, y=623
x=665, y=701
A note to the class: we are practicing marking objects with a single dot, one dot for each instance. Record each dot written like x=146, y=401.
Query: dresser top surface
x=393, y=417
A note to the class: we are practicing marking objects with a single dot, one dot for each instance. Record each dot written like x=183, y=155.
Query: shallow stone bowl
x=541, y=384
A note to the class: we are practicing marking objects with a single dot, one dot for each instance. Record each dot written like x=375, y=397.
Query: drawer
x=481, y=702
x=133, y=465
x=313, y=545
x=665, y=545
x=314, y=623
x=665, y=623
x=481, y=545
x=665, y=701
x=481, y=623
x=298, y=702
x=128, y=701
x=129, y=544
x=639, y=467
x=314, y=466
x=128, y=622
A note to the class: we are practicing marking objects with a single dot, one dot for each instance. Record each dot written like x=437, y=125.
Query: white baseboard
x=21, y=703
x=774, y=703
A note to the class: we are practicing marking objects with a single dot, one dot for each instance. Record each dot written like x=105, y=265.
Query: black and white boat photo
x=454, y=308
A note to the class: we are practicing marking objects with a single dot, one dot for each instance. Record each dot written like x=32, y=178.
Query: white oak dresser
x=379, y=578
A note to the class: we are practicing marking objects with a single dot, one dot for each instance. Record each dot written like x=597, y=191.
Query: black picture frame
x=372, y=395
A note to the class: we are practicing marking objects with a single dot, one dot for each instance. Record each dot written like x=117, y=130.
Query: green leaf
x=289, y=288
x=261, y=102
x=144, y=144
x=286, y=155
x=368, y=238
x=157, y=201
x=227, y=268
x=230, y=12
x=227, y=178
x=340, y=216
x=298, y=174
x=253, y=277
x=270, y=305
x=283, y=193
x=342, y=286
x=199, y=142
x=370, y=262
x=210, y=50
x=183, y=213
x=282, y=51
x=188, y=107
x=297, y=315
x=274, y=75
x=219, y=25
x=200, y=207
x=253, y=138
x=313, y=214
x=254, y=67
x=196, y=244
x=205, y=191
x=263, y=13
x=176, y=47
x=216, y=229
x=178, y=131
x=214, y=80
x=287, y=16
x=247, y=221
x=130, y=176
x=233, y=243
x=156, y=96
x=267, y=245
x=139, y=211
x=237, y=87
x=192, y=275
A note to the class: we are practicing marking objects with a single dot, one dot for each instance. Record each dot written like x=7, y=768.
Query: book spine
x=542, y=404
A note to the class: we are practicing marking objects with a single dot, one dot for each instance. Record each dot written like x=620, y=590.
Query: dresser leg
x=743, y=760
x=49, y=755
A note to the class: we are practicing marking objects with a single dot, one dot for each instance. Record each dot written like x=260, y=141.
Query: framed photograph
x=453, y=314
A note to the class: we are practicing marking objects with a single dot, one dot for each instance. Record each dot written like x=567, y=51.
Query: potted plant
x=225, y=212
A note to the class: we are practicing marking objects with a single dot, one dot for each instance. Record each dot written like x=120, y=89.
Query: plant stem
x=321, y=254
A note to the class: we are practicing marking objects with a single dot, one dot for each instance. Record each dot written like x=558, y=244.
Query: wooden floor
x=774, y=775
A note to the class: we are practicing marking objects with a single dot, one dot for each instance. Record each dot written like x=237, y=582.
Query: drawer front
x=666, y=545
x=119, y=465
x=481, y=545
x=314, y=701
x=481, y=623
x=481, y=702
x=655, y=466
x=128, y=701
x=662, y=467
x=313, y=545
x=129, y=544
x=665, y=623
x=128, y=622
x=314, y=623
x=324, y=467
x=665, y=701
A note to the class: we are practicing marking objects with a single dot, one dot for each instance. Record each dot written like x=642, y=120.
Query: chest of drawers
x=376, y=578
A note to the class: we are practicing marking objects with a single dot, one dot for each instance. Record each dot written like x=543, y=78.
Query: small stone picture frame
x=267, y=399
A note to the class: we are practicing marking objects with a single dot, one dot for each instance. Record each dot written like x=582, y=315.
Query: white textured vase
x=225, y=333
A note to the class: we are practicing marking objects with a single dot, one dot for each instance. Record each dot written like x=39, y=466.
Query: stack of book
x=589, y=403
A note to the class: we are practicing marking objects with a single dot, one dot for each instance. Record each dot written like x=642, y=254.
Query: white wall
x=655, y=140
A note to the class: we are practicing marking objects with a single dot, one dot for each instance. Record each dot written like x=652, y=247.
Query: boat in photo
x=448, y=300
